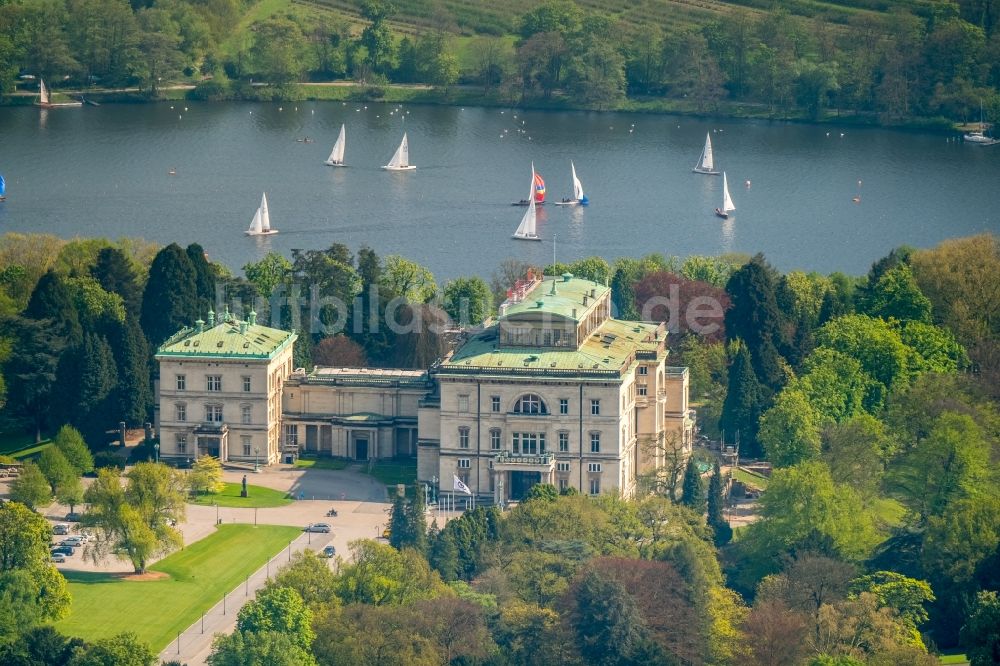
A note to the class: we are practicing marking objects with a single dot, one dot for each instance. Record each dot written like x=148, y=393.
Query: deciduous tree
x=281, y=610
x=31, y=488
x=790, y=430
x=468, y=301
x=56, y=469
x=70, y=443
x=206, y=475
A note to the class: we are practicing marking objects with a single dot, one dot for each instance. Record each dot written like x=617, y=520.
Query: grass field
x=17, y=443
x=156, y=610
x=954, y=659
x=750, y=479
x=391, y=472
x=259, y=497
x=321, y=463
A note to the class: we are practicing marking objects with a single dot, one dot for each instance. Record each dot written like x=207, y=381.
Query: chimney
x=593, y=293
x=553, y=291
x=585, y=299
x=574, y=313
x=252, y=318
x=243, y=328
x=199, y=325
x=211, y=318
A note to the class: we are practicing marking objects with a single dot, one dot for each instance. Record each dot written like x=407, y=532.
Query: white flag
x=459, y=485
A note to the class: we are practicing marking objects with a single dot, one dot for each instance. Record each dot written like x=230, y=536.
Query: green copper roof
x=610, y=350
x=561, y=301
x=230, y=339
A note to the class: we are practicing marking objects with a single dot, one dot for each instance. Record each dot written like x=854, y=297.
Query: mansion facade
x=554, y=391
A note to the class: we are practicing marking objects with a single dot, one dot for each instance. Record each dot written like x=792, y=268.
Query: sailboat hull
x=724, y=215
x=526, y=238
x=524, y=202
x=706, y=172
x=269, y=232
x=334, y=164
x=399, y=168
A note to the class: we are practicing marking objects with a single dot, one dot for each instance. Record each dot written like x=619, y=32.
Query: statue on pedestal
x=243, y=493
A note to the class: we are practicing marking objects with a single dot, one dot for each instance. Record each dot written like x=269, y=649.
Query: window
x=528, y=443
x=182, y=442
x=595, y=442
x=292, y=435
x=213, y=382
x=246, y=414
x=563, y=442
x=181, y=411
x=463, y=438
x=594, y=468
x=595, y=407
x=643, y=370
x=463, y=403
x=530, y=404
x=563, y=406
x=495, y=403
x=463, y=477
x=246, y=441
x=562, y=467
x=642, y=389
x=495, y=439
x=463, y=463
x=563, y=485
x=213, y=413
x=246, y=383
x=595, y=485
x=181, y=382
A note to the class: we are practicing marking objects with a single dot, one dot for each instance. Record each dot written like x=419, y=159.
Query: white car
x=58, y=558
x=60, y=528
x=73, y=541
x=317, y=527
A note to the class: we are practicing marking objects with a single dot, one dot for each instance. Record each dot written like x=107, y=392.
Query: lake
x=103, y=171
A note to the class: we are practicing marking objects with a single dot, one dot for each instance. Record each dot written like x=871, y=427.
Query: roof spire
x=252, y=317
x=211, y=317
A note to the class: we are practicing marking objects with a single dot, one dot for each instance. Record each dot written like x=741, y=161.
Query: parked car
x=386, y=533
x=318, y=527
x=329, y=551
x=62, y=550
x=75, y=542
x=58, y=558
x=61, y=528
x=72, y=517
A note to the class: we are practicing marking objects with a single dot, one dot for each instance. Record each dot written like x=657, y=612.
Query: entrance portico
x=213, y=440
x=515, y=474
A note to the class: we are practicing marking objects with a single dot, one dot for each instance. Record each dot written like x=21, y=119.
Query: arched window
x=530, y=404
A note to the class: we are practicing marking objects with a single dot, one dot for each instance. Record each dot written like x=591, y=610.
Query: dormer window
x=530, y=404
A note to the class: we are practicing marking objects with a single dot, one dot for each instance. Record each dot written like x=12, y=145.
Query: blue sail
x=3, y=186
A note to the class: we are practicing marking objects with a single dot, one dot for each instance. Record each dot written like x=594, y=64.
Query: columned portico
x=515, y=474
x=212, y=439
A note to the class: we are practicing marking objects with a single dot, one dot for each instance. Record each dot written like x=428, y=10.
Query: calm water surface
x=104, y=172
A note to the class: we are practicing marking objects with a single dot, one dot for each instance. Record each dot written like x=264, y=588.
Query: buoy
x=747, y=183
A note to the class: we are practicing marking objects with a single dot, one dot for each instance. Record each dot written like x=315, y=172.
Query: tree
x=339, y=351
x=981, y=633
x=278, y=51
x=376, y=37
x=124, y=649
x=936, y=349
x=689, y=307
x=774, y=633
x=30, y=370
x=40, y=646
x=268, y=273
x=114, y=272
x=267, y=647
x=896, y=296
x=135, y=520
x=133, y=396
x=56, y=469
x=70, y=492
x=836, y=386
x=31, y=488
x=755, y=318
x=716, y=506
x=70, y=443
x=468, y=301
x=92, y=376
x=606, y=620
x=871, y=342
x=281, y=610
x=402, y=278
x=159, y=44
x=905, y=596
x=743, y=405
x=32, y=591
x=381, y=575
x=857, y=451
x=53, y=301
x=206, y=476
x=790, y=429
x=204, y=276
x=310, y=576
x=170, y=301
x=693, y=492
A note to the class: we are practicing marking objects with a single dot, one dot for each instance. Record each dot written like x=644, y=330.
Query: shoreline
x=467, y=95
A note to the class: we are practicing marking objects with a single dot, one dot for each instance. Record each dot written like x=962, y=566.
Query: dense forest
x=917, y=62
x=874, y=399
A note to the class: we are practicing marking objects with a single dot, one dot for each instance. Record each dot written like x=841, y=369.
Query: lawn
x=954, y=659
x=16, y=442
x=392, y=472
x=258, y=497
x=890, y=512
x=104, y=605
x=321, y=463
x=750, y=479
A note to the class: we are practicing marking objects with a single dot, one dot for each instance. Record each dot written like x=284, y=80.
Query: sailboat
x=706, y=164
x=727, y=201
x=261, y=224
x=979, y=137
x=44, y=98
x=579, y=198
x=526, y=230
x=537, y=194
x=401, y=158
x=3, y=188
x=337, y=154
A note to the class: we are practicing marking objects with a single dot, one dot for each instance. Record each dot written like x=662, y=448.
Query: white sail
x=401, y=158
x=727, y=201
x=337, y=154
x=706, y=163
x=265, y=217
x=577, y=185
x=255, y=224
x=43, y=92
x=526, y=230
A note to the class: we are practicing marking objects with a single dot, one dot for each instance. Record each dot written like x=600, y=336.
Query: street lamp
x=434, y=488
x=156, y=451
x=256, y=455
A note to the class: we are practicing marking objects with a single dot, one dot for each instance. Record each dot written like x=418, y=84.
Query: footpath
x=193, y=645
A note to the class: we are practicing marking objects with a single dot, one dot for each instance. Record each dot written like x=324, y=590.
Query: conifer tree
x=693, y=494
x=134, y=396
x=70, y=442
x=417, y=523
x=95, y=408
x=715, y=499
x=115, y=274
x=170, y=301
x=53, y=301
x=756, y=319
x=204, y=276
x=399, y=527
x=444, y=555
x=743, y=404
x=31, y=370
